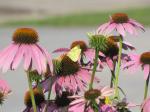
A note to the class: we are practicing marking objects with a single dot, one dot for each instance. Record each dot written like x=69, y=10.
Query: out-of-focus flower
x=121, y=23
x=39, y=100
x=146, y=105
x=137, y=61
x=123, y=105
x=111, y=52
x=25, y=47
x=90, y=100
x=69, y=76
x=61, y=103
x=4, y=90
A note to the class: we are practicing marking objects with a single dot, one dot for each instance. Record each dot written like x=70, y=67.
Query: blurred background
x=58, y=23
x=69, y=12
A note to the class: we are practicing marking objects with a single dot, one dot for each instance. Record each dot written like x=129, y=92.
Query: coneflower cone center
x=68, y=67
x=63, y=100
x=25, y=36
x=114, y=38
x=145, y=58
x=38, y=95
x=92, y=94
x=120, y=18
x=1, y=98
x=112, y=48
x=80, y=43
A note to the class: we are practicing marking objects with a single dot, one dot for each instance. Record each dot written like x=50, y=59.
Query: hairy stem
x=31, y=92
x=94, y=68
x=118, y=69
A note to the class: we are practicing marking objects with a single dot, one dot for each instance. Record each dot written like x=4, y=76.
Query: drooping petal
x=121, y=30
x=134, y=22
x=42, y=60
x=110, y=28
x=77, y=101
x=110, y=63
x=127, y=45
x=18, y=57
x=27, y=58
x=48, y=56
x=129, y=28
x=9, y=58
x=36, y=59
x=102, y=27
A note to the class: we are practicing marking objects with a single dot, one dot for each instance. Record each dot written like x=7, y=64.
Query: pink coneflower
x=25, y=47
x=69, y=76
x=146, y=105
x=86, y=52
x=137, y=61
x=122, y=24
x=111, y=52
x=39, y=100
x=4, y=90
x=85, y=103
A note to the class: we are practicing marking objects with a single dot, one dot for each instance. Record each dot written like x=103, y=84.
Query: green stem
x=112, y=78
x=31, y=92
x=118, y=68
x=94, y=68
x=146, y=87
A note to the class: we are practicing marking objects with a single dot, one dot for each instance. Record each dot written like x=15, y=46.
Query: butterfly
x=74, y=53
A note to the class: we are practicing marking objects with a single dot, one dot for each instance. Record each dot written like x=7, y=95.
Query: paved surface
x=24, y=9
x=52, y=38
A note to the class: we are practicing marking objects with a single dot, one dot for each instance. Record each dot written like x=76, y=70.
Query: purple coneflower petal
x=48, y=56
x=103, y=27
x=18, y=57
x=128, y=45
x=110, y=63
x=134, y=22
x=110, y=28
x=42, y=60
x=77, y=101
x=121, y=30
x=61, y=50
x=9, y=58
x=27, y=58
x=36, y=59
x=129, y=28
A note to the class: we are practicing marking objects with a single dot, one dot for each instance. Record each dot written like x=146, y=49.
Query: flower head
x=39, y=100
x=25, y=47
x=121, y=23
x=69, y=76
x=90, y=99
x=137, y=61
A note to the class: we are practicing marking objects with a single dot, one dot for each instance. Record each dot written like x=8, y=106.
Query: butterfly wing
x=74, y=53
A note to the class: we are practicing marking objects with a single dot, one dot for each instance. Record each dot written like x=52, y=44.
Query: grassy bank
x=84, y=19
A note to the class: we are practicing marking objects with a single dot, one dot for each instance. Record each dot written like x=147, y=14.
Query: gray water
x=52, y=38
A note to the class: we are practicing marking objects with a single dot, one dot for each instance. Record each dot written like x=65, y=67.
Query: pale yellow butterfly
x=74, y=53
